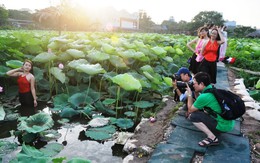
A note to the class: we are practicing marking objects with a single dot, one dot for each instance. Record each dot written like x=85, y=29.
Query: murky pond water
x=76, y=144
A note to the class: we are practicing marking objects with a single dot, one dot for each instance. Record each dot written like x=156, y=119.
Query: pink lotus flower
x=61, y=66
x=1, y=89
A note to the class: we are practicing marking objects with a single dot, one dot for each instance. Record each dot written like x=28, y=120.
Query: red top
x=211, y=51
x=23, y=84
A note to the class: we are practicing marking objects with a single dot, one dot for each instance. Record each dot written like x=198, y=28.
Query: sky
x=244, y=12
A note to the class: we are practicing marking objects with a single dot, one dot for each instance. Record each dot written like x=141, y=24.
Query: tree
x=60, y=16
x=145, y=23
x=20, y=15
x=242, y=31
x=206, y=17
x=3, y=15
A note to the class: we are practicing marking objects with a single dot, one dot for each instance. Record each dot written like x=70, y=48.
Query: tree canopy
x=3, y=15
x=207, y=17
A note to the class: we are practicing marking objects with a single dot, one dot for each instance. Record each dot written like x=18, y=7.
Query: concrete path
x=182, y=145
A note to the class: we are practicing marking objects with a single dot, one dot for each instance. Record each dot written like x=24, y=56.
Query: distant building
x=20, y=23
x=171, y=19
x=126, y=23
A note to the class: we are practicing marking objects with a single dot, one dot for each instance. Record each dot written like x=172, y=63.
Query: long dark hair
x=218, y=37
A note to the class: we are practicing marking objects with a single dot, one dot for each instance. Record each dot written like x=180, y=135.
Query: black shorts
x=201, y=116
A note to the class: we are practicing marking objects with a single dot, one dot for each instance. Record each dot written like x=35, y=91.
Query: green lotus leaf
x=38, y=73
x=127, y=82
x=179, y=51
x=31, y=154
x=142, y=79
x=63, y=121
x=64, y=57
x=147, y=68
x=168, y=81
x=6, y=147
x=3, y=70
x=97, y=56
x=109, y=101
x=93, y=95
x=155, y=78
x=76, y=46
x=44, y=57
x=78, y=160
x=117, y=61
x=2, y=113
x=58, y=74
x=88, y=110
x=29, y=137
x=130, y=114
x=108, y=48
x=52, y=149
x=168, y=59
x=14, y=63
x=80, y=99
x=75, y=63
x=75, y=53
x=124, y=123
x=36, y=123
x=68, y=112
x=51, y=134
x=53, y=45
x=255, y=94
x=100, y=107
x=101, y=133
x=159, y=51
x=131, y=54
x=61, y=99
x=91, y=69
x=148, y=75
x=143, y=104
x=257, y=86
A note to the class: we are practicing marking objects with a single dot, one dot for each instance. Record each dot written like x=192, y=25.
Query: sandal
x=208, y=142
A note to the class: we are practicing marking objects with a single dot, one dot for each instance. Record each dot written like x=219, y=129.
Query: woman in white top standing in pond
x=223, y=47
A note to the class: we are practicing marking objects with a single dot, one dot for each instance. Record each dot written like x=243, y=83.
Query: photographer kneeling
x=179, y=81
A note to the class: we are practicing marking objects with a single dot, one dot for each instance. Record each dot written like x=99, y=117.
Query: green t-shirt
x=209, y=100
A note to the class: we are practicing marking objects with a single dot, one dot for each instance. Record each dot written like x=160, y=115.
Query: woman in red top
x=210, y=53
x=26, y=84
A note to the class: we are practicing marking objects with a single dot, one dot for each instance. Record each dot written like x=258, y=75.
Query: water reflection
x=76, y=143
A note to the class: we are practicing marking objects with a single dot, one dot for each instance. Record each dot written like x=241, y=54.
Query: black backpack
x=232, y=105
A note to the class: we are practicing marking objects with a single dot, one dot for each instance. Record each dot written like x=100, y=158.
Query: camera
x=182, y=85
x=176, y=77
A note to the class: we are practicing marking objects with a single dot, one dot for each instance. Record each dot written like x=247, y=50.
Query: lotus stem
x=117, y=99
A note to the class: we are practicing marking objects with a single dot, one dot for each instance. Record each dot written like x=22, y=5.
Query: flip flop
x=208, y=142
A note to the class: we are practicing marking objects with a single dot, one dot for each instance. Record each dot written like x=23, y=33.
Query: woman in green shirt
x=211, y=124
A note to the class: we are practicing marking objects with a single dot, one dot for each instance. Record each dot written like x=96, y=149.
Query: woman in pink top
x=210, y=53
x=199, y=42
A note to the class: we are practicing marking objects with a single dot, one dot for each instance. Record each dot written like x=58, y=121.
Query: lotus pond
x=91, y=87
x=67, y=139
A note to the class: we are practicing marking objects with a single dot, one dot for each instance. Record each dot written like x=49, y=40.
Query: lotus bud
x=49, y=50
x=1, y=89
x=61, y=66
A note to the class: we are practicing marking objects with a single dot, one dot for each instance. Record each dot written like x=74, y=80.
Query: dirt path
x=150, y=134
